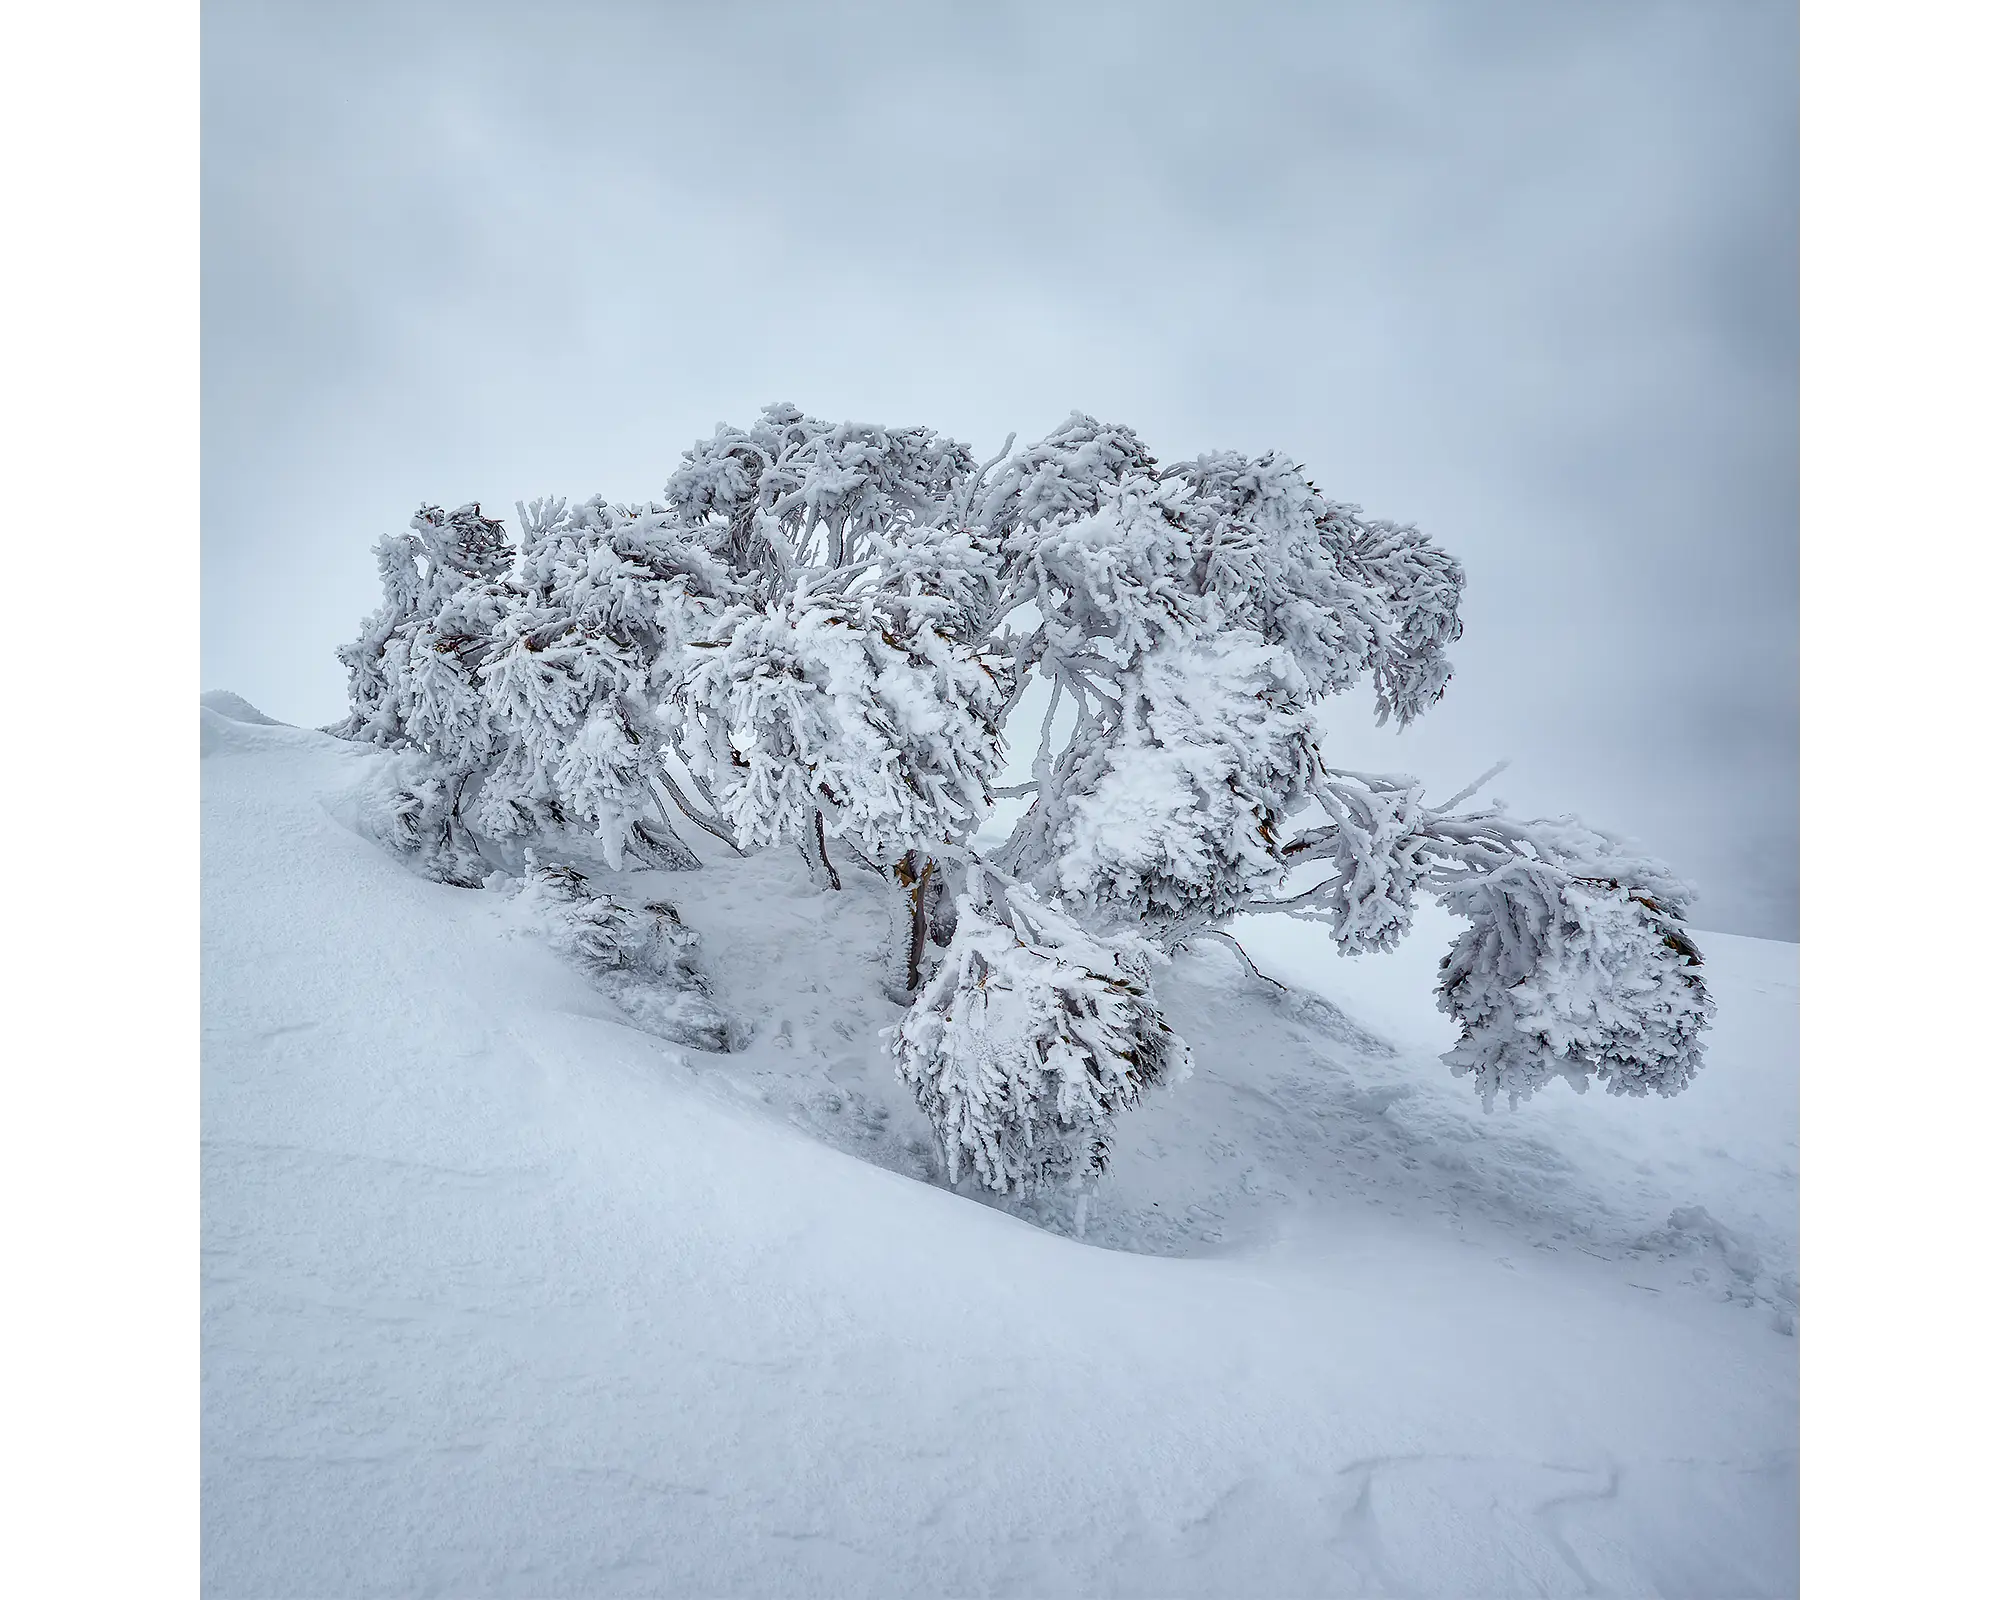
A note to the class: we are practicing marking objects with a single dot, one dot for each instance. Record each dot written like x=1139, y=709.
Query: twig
x=1478, y=783
x=819, y=838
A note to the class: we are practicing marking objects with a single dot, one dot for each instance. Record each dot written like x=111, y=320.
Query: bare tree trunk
x=917, y=884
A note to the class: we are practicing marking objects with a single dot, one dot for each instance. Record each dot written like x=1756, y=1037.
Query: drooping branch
x=1242, y=955
x=694, y=813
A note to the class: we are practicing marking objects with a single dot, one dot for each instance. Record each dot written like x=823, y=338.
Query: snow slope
x=503, y=1296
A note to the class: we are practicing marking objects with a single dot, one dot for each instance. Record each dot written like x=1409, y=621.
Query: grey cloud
x=1522, y=274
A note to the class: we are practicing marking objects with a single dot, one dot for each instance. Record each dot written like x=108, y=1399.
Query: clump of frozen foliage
x=822, y=635
x=643, y=956
x=411, y=804
x=844, y=715
x=409, y=673
x=1028, y=1038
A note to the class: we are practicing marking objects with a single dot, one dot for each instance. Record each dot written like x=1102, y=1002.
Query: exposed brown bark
x=917, y=884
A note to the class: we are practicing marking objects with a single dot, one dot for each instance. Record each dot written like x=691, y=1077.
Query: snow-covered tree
x=822, y=635
x=413, y=681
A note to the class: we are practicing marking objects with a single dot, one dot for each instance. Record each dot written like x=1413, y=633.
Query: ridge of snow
x=228, y=703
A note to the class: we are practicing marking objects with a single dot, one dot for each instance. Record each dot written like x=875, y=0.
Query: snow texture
x=504, y=1294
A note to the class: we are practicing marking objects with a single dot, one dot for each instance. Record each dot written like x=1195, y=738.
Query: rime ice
x=822, y=635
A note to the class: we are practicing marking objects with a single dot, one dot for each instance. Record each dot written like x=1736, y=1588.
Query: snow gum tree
x=823, y=636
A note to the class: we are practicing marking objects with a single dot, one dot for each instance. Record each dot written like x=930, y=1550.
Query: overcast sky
x=1523, y=274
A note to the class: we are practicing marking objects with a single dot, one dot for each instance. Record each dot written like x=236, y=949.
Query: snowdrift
x=503, y=1294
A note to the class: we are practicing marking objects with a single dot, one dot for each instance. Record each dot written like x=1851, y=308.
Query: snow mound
x=227, y=703
x=505, y=1294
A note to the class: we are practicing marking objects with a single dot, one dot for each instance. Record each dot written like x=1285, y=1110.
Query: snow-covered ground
x=504, y=1296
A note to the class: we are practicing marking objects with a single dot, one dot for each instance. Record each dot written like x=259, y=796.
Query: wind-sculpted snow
x=504, y=1294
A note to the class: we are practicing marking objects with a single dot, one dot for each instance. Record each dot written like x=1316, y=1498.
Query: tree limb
x=1242, y=955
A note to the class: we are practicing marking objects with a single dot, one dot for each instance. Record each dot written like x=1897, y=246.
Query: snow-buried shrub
x=1022, y=1048
x=821, y=633
x=644, y=957
x=410, y=803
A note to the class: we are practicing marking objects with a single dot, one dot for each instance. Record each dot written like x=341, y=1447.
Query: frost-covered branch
x=1576, y=962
